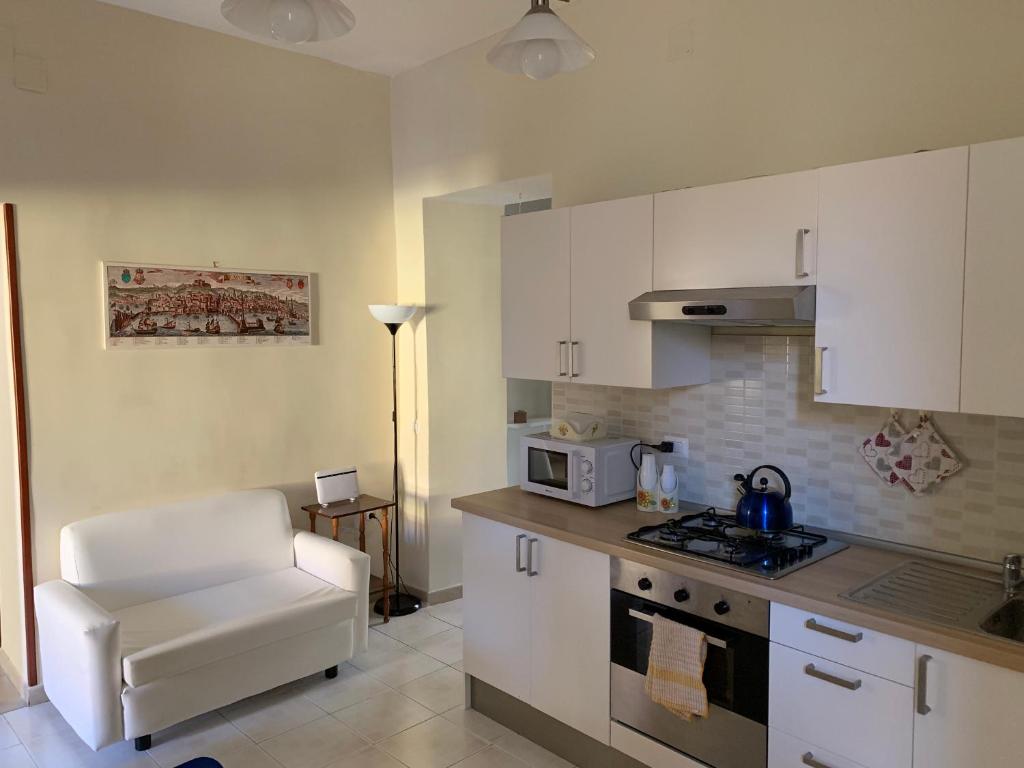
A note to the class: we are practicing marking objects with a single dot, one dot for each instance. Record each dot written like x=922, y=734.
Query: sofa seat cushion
x=177, y=634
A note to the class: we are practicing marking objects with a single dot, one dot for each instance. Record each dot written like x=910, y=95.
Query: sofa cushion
x=177, y=634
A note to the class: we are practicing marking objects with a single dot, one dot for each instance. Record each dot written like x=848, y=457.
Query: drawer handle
x=922, y=685
x=849, y=637
x=529, y=558
x=808, y=759
x=519, y=553
x=850, y=685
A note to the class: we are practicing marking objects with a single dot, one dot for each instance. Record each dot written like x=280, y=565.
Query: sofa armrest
x=343, y=567
x=80, y=650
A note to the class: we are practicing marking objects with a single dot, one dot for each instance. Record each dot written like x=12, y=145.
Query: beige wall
x=467, y=391
x=159, y=142
x=688, y=92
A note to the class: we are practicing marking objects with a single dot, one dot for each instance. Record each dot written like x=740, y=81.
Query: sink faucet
x=1013, y=578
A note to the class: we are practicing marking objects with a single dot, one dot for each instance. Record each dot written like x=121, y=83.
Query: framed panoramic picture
x=160, y=306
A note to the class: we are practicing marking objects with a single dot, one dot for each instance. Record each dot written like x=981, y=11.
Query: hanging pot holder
x=884, y=448
x=926, y=459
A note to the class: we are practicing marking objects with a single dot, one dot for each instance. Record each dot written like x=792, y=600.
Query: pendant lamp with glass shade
x=541, y=46
x=290, y=21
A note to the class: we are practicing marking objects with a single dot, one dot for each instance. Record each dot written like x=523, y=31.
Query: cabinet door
x=611, y=265
x=569, y=639
x=757, y=232
x=496, y=599
x=890, y=281
x=535, y=295
x=972, y=713
x=993, y=360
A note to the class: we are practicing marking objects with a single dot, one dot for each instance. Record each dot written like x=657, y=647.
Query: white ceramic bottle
x=647, y=484
x=668, y=490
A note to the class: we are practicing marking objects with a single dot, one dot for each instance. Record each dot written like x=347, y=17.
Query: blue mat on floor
x=201, y=762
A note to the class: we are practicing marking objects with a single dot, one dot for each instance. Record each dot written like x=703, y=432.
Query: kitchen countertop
x=816, y=587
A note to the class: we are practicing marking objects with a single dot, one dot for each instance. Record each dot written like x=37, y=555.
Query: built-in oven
x=735, y=732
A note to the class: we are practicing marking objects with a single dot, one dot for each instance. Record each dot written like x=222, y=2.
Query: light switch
x=29, y=73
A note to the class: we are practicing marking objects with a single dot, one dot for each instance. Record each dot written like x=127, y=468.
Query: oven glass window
x=550, y=468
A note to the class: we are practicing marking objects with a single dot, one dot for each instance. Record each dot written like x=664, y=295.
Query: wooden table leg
x=362, y=532
x=334, y=527
x=385, y=545
x=312, y=522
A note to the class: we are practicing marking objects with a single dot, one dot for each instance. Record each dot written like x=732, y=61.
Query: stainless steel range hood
x=786, y=305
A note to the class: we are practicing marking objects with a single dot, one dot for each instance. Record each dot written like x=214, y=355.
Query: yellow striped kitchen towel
x=675, y=669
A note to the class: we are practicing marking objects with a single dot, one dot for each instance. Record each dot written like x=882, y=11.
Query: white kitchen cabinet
x=967, y=713
x=540, y=634
x=756, y=232
x=496, y=605
x=890, y=281
x=535, y=295
x=993, y=354
x=612, y=256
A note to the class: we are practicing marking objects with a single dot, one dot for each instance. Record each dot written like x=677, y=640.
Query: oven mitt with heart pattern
x=884, y=448
x=926, y=458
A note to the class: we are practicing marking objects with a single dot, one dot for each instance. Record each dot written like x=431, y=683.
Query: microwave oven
x=593, y=474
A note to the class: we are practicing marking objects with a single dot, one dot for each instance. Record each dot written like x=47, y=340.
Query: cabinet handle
x=833, y=632
x=529, y=557
x=801, y=249
x=519, y=552
x=850, y=685
x=819, y=365
x=922, y=685
x=573, y=346
x=808, y=759
x=561, y=359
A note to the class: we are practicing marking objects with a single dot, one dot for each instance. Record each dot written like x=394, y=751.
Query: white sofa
x=162, y=614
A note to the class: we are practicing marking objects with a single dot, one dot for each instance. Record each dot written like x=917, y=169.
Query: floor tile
x=450, y=612
x=367, y=758
x=445, y=647
x=436, y=743
x=383, y=715
x=404, y=667
x=476, y=723
x=271, y=714
x=492, y=757
x=315, y=744
x=15, y=757
x=8, y=738
x=247, y=756
x=42, y=720
x=208, y=735
x=380, y=648
x=10, y=696
x=415, y=626
x=532, y=754
x=66, y=750
x=438, y=691
x=458, y=666
x=351, y=686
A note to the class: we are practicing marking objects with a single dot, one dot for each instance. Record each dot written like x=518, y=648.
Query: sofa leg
x=331, y=673
x=142, y=743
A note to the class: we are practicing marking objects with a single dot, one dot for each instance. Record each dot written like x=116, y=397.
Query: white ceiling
x=390, y=36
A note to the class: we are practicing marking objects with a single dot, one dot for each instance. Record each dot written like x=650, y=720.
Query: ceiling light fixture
x=290, y=21
x=541, y=45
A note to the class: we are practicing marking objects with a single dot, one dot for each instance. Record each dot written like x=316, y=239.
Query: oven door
x=735, y=732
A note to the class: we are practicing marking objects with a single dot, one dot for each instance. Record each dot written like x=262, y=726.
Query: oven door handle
x=715, y=641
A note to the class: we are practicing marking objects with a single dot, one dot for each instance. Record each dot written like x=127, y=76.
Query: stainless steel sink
x=1007, y=621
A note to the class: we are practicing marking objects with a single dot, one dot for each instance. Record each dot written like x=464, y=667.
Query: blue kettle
x=761, y=509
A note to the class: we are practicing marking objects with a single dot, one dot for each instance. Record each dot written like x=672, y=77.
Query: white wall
x=159, y=142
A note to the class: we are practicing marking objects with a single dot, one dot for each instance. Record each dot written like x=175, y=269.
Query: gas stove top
x=715, y=537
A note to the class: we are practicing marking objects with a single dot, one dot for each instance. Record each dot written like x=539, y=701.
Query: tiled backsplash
x=759, y=409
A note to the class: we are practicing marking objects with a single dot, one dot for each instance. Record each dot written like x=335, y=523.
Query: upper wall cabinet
x=993, y=356
x=535, y=295
x=758, y=232
x=890, y=281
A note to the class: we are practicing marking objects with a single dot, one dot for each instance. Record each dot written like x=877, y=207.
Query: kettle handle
x=748, y=483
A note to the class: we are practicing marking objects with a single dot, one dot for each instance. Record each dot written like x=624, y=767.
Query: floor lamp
x=401, y=603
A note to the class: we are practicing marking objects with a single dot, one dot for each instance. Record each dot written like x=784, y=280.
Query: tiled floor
x=399, y=705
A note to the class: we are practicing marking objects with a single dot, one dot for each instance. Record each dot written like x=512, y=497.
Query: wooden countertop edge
x=786, y=590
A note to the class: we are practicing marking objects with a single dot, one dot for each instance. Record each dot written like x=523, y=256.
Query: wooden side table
x=362, y=505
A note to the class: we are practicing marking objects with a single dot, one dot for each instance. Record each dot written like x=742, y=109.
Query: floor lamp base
x=400, y=604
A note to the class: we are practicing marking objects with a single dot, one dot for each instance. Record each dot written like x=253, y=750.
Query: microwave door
x=550, y=468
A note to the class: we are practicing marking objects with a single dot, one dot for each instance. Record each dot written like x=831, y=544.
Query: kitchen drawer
x=847, y=644
x=871, y=724
x=785, y=751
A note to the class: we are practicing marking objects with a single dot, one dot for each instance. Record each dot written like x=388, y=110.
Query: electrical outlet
x=680, y=446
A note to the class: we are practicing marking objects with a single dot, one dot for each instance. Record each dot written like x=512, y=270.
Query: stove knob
x=644, y=584
x=721, y=607
x=681, y=595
